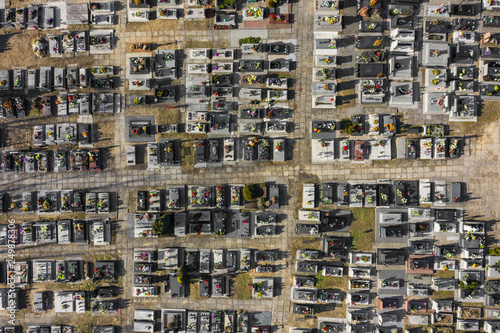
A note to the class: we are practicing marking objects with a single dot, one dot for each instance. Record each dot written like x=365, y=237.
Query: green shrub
x=494, y=252
x=471, y=285
x=249, y=40
x=226, y=3
x=346, y=126
x=251, y=192
x=181, y=277
x=162, y=225
x=273, y=3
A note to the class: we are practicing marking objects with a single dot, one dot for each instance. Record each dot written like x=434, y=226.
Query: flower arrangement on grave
x=251, y=79
x=254, y=12
x=378, y=42
x=441, y=9
x=333, y=43
x=372, y=26
x=331, y=19
x=435, y=53
x=138, y=100
x=46, y=205
x=101, y=204
x=435, y=72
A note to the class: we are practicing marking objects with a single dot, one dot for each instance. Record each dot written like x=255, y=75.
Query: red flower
x=377, y=86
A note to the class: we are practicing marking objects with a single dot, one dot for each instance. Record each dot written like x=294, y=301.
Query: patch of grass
x=89, y=285
x=443, y=294
x=153, y=25
x=444, y=274
x=362, y=229
x=168, y=116
x=472, y=304
x=197, y=25
x=323, y=282
x=249, y=40
x=488, y=115
x=194, y=44
x=80, y=27
x=85, y=323
x=194, y=289
x=187, y=154
x=297, y=243
x=242, y=286
x=338, y=311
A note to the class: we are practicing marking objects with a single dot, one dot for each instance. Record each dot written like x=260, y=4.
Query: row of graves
x=145, y=71
x=96, y=232
x=226, y=15
x=75, y=43
x=21, y=273
x=400, y=285
x=78, y=104
x=384, y=193
x=385, y=63
x=375, y=141
x=47, y=202
x=327, y=25
x=213, y=268
x=61, y=160
x=61, y=105
x=179, y=263
x=144, y=11
x=374, y=64
x=47, y=79
x=216, y=223
x=213, y=85
x=229, y=151
x=451, y=65
x=63, y=134
x=241, y=321
x=101, y=301
x=58, y=15
x=174, y=198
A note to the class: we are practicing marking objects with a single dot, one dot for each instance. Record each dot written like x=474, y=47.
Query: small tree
x=162, y=224
x=250, y=192
x=249, y=40
x=181, y=277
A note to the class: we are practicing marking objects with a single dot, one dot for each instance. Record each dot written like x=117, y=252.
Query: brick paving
x=478, y=168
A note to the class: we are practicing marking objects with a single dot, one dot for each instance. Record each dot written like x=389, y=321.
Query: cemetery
x=237, y=192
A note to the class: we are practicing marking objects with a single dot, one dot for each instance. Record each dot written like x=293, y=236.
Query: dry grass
x=310, y=243
x=362, y=229
x=323, y=282
x=194, y=44
x=198, y=25
x=489, y=115
x=304, y=322
x=153, y=25
x=242, y=286
x=18, y=53
x=297, y=186
x=335, y=311
x=444, y=274
x=194, y=289
x=443, y=294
